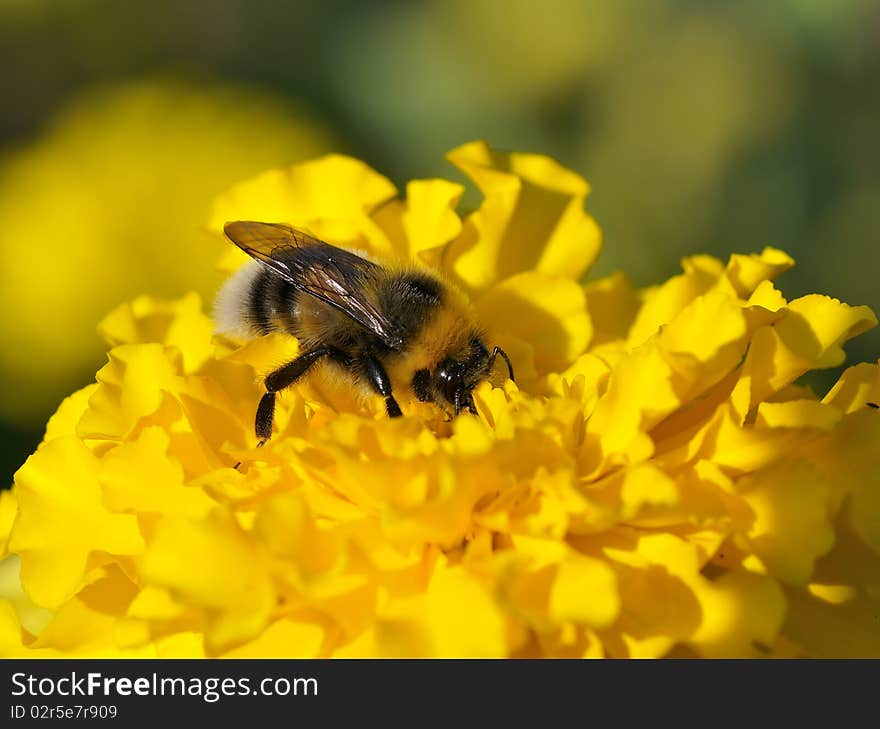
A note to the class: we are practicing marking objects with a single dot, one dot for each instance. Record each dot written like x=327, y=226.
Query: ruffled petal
x=180, y=324
x=531, y=218
x=232, y=584
x=332, y=197
x=549, y=313
x=63, y=521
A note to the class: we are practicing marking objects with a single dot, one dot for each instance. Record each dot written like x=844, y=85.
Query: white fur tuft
x=230, y=307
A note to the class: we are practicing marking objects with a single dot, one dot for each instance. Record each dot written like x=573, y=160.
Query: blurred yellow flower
x=655, y=484
x=111, y=201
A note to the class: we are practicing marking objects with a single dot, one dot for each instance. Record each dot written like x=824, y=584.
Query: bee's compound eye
x=445, y=370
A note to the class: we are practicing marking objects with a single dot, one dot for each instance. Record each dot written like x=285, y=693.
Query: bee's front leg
x=421, y=385
x=378, y=378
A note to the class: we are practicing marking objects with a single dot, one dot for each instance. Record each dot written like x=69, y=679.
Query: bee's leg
x=284, y=377
x=469, y=403
x=265, y=416
x=378, y=378
x=421, y=385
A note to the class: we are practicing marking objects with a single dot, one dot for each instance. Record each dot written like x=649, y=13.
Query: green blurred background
x=702, y=126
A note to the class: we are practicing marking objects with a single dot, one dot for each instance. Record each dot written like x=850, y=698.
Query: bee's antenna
x=457, y=403
x=495, y=352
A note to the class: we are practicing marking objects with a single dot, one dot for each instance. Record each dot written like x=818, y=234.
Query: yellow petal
x=11, y=638
x=658, y=609
x=66, y=418
x=549, y=312
x=850, y=459
x=737, y=610
x=139, y=477
x=419, y=227
x=644, y=487
x=213, y=565
x=130, y=388
x=663, y=303
x=704, y=499
x=429, y=219
x=154, y=603
x=836, y=615
x=432, y=626
x=792, y=527
x=584, y=590
x=825, y=629
x=180, y=645
x=809, y=335
x=640, y=394
x=80, y=630
x=332, y=196
x=179, y=323
x=531, y=218
x=32, y=618
x=8, y=512
x=707, y=340
x=742, y=616
x=767, y=297
x=549, y=584
x=62, y=520
x=728, y=443
x=285, y=638
x=746, y=273
x=287, y=527
x=857, y=386
x=585, y=381
x=613, y=305
x=797, y=414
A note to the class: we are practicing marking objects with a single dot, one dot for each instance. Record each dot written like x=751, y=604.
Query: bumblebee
x=387, y=327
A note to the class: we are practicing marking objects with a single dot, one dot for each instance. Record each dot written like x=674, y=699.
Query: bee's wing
x=333, y=275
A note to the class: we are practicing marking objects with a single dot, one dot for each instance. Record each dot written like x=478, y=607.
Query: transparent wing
x=333, y=275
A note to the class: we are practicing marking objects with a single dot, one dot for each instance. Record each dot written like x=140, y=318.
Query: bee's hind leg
x=378, y=378
x=265, y=416
x=283, y=377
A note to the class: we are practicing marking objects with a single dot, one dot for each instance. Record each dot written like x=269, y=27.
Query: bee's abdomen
x=272, y=304
x=255, y=301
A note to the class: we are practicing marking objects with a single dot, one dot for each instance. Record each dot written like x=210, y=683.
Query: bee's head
x=458, y=374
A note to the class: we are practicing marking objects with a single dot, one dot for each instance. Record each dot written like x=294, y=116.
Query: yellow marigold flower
x=656, y=483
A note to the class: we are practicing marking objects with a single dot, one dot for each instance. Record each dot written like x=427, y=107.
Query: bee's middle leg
x=378, y=378
x=284, y=377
